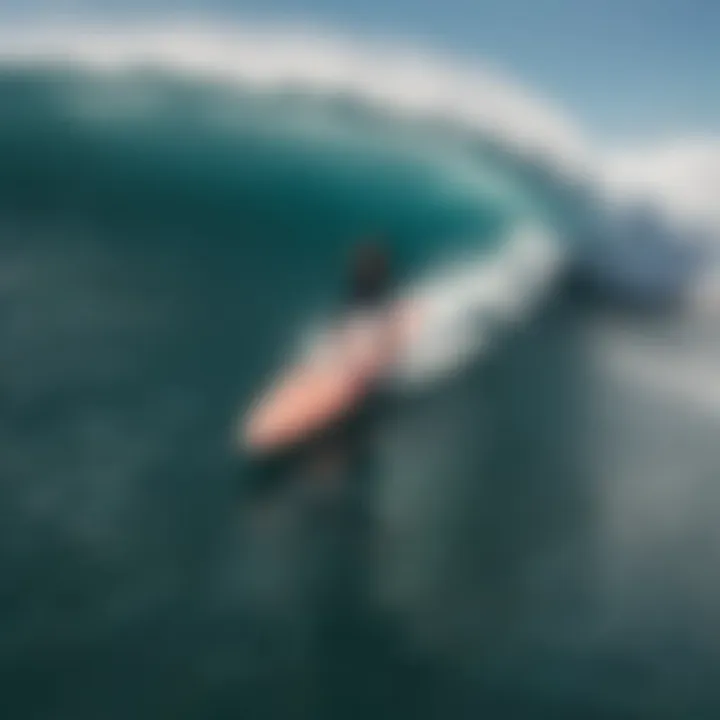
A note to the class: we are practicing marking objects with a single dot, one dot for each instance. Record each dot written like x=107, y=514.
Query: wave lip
x=680, y=180
x=679, y=177
x=397, y=78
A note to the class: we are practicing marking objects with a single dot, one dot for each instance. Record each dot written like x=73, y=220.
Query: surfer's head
x=370, y=271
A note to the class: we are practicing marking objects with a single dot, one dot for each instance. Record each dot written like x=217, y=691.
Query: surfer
x=344, y=372
x=366, y=340
x=340, y=454
x=359, y=348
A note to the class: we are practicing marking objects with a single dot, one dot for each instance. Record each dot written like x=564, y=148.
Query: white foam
x=387, y=73
x=680, y=180
x=681, y=177
x=467, y=304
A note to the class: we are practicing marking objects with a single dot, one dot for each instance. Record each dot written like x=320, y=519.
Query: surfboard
x=321, y=390
x=301, y=404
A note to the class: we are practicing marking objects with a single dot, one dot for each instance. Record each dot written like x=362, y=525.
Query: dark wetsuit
x=369, y=293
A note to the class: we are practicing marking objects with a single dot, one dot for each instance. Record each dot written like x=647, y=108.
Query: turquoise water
x=163, y=245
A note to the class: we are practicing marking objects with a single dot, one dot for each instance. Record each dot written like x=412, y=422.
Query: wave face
x=176, y=211
x=287, y=172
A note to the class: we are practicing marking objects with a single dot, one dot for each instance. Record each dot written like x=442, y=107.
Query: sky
x=627, y=70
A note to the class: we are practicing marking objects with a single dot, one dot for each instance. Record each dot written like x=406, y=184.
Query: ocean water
x=524, y=529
